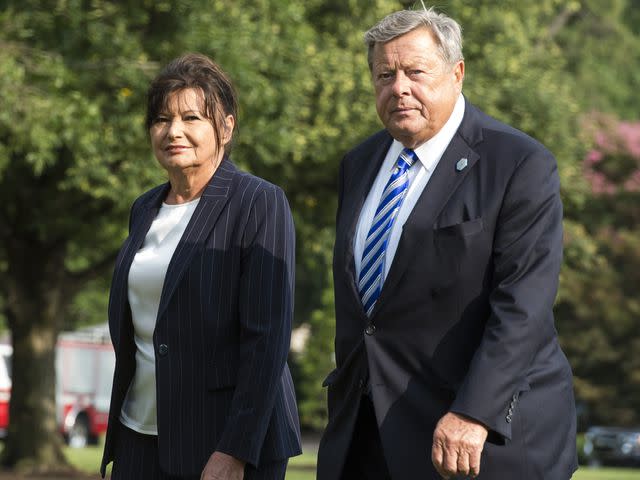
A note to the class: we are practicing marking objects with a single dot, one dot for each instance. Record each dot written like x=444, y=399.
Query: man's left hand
x=457, y=444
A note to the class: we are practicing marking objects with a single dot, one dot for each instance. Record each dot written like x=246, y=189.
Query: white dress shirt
x=429, y=154
x=146, y=279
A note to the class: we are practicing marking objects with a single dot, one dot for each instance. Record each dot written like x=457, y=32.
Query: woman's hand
x=223, y=467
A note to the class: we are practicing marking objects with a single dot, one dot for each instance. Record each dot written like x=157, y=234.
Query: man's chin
x=407, y=136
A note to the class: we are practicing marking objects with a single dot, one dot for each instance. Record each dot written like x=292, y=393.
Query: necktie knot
x=406, y=159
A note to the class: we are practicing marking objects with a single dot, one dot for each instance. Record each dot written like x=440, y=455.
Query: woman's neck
x=188, y=184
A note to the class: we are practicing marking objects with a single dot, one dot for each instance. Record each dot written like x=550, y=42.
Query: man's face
x=415, y=89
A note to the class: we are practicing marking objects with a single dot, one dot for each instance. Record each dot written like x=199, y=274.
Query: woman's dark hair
x=199, y=72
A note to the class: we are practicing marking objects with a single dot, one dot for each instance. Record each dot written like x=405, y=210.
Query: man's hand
x=223, y=467
x=457, y=445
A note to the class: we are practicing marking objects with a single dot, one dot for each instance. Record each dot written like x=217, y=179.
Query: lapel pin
x=462, y=164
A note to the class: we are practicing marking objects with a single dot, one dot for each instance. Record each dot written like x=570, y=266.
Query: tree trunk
x=35, y=305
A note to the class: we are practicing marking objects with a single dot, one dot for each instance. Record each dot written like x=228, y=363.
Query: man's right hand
x=457, y=444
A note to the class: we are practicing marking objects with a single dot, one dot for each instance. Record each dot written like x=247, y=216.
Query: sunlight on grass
x=304, y=460
x=86, y=459
x=300, y=475
x=586, y=473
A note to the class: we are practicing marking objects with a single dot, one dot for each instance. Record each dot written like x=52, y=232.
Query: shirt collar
x=430, y=152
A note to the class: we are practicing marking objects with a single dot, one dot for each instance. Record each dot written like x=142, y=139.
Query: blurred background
x=74, y=154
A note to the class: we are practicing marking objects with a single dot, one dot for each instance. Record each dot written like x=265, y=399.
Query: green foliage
x=599, y=300
x=600, y=44
x=317, y=359
x=74, y=153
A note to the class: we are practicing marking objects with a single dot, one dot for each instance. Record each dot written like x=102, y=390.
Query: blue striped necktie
x=373, y=257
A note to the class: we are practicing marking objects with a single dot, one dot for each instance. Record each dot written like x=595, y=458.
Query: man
x=446, y=261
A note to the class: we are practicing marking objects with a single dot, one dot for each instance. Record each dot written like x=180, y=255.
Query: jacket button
x=370, y=330
x=508, y=418
x=361, y=383
x=163, y=349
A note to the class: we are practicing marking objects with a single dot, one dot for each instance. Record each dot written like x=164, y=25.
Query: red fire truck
x=84, y=371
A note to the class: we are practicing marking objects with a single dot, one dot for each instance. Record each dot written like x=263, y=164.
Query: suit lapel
x=445, y=180
x=140, y=224
x=213, y=200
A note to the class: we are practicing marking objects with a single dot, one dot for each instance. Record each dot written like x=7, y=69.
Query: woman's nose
x=174, y=129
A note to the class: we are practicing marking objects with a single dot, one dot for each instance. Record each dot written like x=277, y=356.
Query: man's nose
x=401, y=84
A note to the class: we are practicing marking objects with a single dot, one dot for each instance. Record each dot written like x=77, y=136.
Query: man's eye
x=385, y=75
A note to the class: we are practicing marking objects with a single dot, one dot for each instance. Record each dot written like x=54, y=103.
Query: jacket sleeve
x=265, y=317
x=527, y=253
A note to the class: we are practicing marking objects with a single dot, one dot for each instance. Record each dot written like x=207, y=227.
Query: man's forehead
x=417, y=43
x=403, y=59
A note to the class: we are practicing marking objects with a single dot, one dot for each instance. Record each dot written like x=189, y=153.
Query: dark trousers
x=365, y=460
x=136, y=457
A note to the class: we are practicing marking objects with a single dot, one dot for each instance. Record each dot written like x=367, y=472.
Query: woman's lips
x=176, y=148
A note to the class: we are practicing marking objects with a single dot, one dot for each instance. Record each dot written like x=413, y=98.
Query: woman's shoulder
x=250, y=183
x=152, y=195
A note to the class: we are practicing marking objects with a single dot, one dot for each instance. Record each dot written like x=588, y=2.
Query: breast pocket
x=459, y=240
x=461, y=251
x=464, y=229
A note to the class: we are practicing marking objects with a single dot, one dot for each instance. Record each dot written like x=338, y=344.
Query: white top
x=146, y=279
x=429, y=155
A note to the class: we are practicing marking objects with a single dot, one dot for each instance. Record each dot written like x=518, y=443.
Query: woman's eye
x=161, y=120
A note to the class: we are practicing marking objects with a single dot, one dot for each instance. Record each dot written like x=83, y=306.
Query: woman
x=201, y=302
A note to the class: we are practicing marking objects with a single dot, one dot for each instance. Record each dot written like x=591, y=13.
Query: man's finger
x=463, y=463
x=437, y=458
x=450, y=461
x=474, y=462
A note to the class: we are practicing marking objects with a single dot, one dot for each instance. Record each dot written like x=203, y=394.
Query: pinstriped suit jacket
x=223, y=327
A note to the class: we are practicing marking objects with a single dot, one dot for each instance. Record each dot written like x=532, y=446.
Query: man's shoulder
x=498, y=134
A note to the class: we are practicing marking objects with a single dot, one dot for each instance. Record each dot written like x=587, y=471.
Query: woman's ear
x=229, y=124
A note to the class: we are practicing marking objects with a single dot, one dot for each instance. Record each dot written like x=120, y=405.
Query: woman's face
x=184, y=139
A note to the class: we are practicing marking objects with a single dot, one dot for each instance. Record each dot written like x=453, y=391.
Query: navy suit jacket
x=223, y=327
x=464, y=321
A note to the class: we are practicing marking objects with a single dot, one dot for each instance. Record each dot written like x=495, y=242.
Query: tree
x=602, y=264
x=597, y=307
x=73, y=153
x=63, y=184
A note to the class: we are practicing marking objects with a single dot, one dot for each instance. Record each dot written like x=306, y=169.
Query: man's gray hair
x=446, y=31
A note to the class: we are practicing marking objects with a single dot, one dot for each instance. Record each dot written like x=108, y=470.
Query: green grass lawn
x=586, y=473
x=299, y=469
x=582, y=474
x=303, y=466
x=86, y=459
